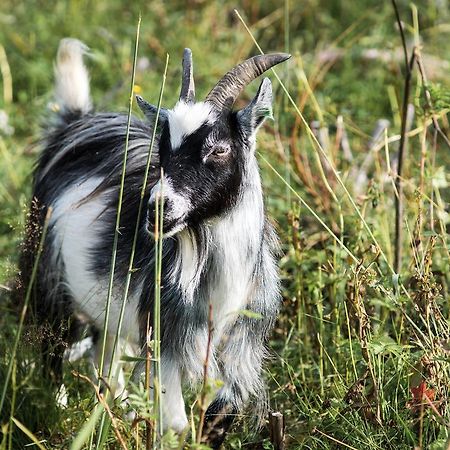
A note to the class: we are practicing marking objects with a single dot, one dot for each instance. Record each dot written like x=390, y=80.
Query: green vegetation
x=360, y=355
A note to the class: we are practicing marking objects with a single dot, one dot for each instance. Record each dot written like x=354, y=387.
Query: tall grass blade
x=306, y=205
x=157, y=309
x=88, y=428
x=117, y=227
x=26, y=431
x=119, y=205
x=319, y=148
x=140, y=208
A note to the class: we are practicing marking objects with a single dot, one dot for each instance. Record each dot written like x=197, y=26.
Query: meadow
x=360, y=355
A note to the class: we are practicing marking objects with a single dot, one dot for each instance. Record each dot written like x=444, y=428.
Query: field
x=360, y=355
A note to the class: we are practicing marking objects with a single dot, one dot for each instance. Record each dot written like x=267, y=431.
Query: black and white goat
x=218, y=249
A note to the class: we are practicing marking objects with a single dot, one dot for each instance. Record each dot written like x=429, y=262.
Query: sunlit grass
x=354, y=342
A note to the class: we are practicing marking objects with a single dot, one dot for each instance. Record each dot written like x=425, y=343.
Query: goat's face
x=203, y=156
x=205, y=150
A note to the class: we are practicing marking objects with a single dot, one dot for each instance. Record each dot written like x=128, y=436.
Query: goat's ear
x=253, y=115
x=150, y=110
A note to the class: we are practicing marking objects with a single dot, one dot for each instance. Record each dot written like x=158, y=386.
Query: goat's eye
x=217, y=153
x=221, y=151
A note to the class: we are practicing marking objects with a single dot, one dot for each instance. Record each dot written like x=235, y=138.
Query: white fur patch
x=114, y=366
x=62, y=398
x=241, y=362
x=235, y=240
x=189, y=266
x=185, y=119
x=174, y=413
x=72, y=78
x=74, y=226
x=79, y=350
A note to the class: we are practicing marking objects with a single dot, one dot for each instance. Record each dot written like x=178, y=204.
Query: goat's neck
x=240, y=229
x=219, y=258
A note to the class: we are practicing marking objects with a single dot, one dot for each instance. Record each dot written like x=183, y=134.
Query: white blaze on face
x=186, y=118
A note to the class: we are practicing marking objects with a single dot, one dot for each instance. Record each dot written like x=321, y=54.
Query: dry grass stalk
x=409, y=64
x=361, y=322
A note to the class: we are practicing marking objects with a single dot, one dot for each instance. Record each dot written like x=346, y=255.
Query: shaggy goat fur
x=218, y=248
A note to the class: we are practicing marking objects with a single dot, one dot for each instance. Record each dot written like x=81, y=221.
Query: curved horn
x=226, y=91
x=187, y=93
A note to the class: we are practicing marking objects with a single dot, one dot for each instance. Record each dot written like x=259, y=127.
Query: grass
x=360, y=354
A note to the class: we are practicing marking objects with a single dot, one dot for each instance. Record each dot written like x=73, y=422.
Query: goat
x=219, y=249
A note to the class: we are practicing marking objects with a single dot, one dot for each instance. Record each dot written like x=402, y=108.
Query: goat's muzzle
x=170, y=223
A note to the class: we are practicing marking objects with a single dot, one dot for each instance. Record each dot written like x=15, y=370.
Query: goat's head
x=205, y=147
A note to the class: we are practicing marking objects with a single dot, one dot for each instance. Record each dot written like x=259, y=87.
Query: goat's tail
x=72, y=78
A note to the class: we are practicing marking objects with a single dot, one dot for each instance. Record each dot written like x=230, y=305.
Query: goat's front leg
x=174, y=413
x=173, y=408
x=241, y=358
x=113, y=372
